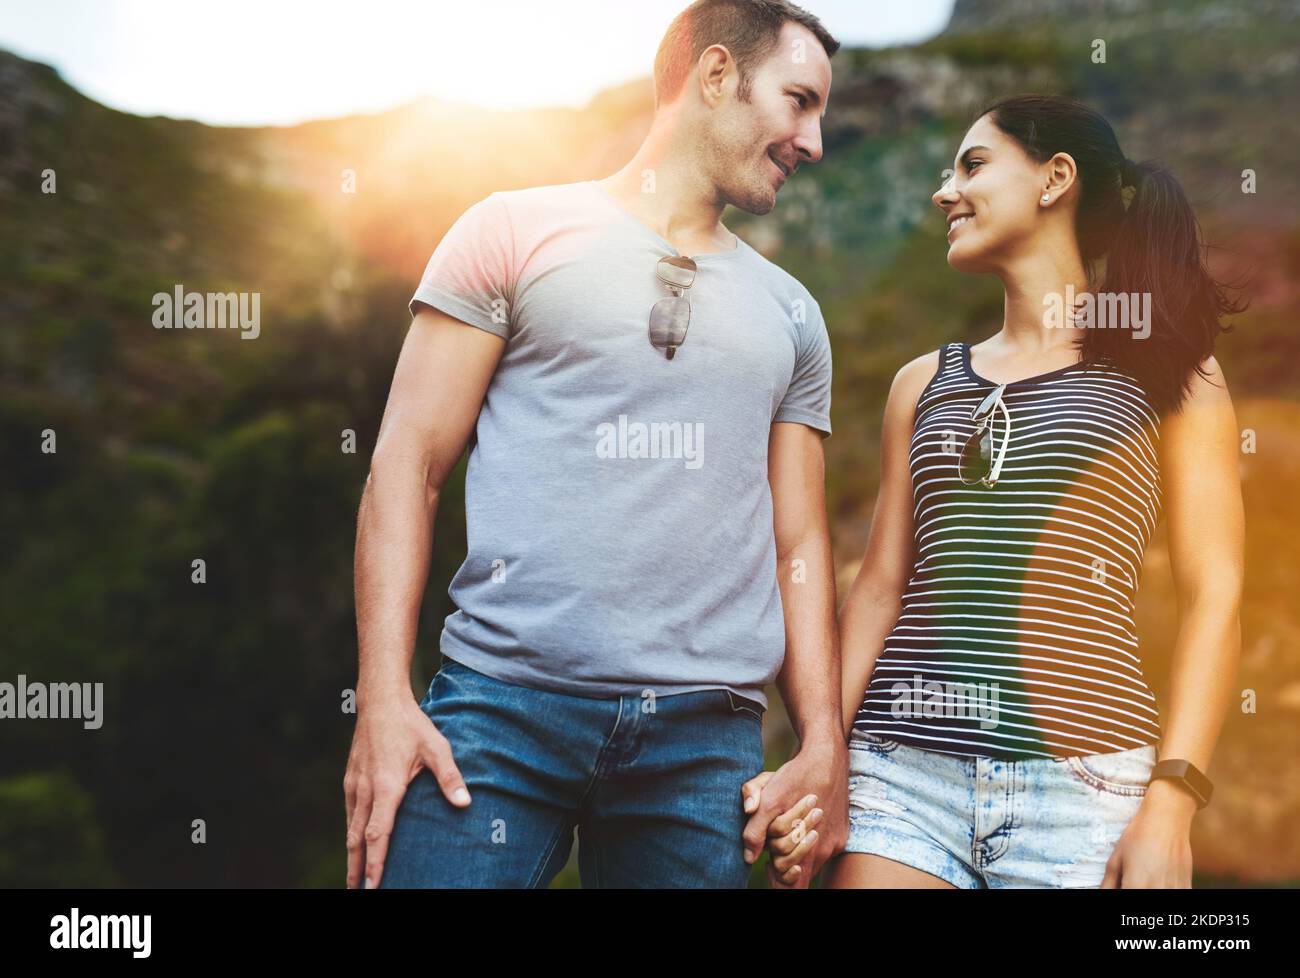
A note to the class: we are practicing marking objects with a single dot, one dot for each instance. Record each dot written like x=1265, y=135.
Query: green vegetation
x=222, y=699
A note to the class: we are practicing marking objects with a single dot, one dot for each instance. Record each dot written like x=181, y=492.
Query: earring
x=1046, y=197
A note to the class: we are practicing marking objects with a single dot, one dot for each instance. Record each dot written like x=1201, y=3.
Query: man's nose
x=809, y=144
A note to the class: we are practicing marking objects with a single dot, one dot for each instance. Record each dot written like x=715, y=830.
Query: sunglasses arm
x=1002, y=448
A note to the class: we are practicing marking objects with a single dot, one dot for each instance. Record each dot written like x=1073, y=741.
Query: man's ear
x=714, y=67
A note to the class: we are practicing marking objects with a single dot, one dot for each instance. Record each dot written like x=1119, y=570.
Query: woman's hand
x=790, y=838
x=1155, y=851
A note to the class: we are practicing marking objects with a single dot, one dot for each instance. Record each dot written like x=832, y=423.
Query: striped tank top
x=1016, y=636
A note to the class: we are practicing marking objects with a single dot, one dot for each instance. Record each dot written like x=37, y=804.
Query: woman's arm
x=871, y=609
x=1199, y=458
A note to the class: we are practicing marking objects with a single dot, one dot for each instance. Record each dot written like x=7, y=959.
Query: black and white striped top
x=1016, y=636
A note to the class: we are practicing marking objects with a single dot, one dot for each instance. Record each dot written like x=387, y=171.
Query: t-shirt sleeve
x=470, y=275
x=808, y=398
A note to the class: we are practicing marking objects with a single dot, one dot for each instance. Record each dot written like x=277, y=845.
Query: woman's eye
x=971, y=164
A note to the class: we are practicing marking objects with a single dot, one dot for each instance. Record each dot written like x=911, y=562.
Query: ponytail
x=1156, y=249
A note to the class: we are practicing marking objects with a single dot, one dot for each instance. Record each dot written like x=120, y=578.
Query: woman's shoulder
x=913, y=376
x=910, y=383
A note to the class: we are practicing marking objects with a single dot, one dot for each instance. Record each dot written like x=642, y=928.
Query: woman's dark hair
x=1150, y=243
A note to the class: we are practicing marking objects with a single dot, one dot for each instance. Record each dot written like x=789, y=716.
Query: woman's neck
x=1038, y=297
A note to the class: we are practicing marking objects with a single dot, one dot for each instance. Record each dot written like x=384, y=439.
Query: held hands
x=790, y=839
x=787, y=819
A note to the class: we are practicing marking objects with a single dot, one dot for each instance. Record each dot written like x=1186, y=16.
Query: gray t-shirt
x=618, y=512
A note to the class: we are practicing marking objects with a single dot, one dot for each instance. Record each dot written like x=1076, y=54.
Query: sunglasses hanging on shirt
x=670, y=317
x=980, y=463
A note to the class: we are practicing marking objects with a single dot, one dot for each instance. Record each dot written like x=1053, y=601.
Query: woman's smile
x=955, y=222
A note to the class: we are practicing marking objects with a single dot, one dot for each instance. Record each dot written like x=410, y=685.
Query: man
x=645, y=511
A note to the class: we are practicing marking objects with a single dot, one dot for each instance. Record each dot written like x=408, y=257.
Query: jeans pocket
x=1120, y=773
x=453, y=668
x=745, y=706
x=449, y=672
x=862, y=740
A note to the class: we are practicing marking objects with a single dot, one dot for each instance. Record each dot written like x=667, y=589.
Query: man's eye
x=802, y=100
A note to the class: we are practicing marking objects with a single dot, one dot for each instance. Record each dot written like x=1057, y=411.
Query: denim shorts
x=982, y=822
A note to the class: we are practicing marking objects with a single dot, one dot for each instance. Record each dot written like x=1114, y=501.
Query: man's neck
x=672, y=197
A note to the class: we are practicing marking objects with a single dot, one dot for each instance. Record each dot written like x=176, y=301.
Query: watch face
x=1186, y=773
x=1199, y=782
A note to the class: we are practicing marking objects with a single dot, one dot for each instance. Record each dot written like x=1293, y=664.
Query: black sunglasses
x=670, y=317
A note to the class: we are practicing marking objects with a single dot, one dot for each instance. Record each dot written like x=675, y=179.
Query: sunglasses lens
x=668, y=321
x=677, y=271
x=976, y=460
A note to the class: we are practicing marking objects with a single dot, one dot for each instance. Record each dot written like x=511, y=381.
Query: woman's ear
x=1059, y=174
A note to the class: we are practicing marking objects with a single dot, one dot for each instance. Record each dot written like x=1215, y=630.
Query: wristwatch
x=1186, y=774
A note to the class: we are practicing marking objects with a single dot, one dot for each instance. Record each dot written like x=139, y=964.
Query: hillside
x=171, y=448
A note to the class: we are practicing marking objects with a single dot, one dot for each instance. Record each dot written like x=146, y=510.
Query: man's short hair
x=749, y=29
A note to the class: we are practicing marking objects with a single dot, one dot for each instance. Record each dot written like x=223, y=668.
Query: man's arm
x=871, y=608
x=810, y=676
x=442, y=374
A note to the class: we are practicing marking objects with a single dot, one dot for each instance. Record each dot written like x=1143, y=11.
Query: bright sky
x=253, y=62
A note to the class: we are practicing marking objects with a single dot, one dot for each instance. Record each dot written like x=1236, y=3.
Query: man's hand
x=393, y=740
x=818, y=769
x=438, y=388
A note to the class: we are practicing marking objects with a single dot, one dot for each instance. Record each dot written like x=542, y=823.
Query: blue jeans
x=983, y=822
x=653, y=793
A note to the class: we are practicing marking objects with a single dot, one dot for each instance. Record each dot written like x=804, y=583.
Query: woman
x=1001, y=728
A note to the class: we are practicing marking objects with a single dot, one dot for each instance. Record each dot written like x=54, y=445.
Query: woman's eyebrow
x=966, y=155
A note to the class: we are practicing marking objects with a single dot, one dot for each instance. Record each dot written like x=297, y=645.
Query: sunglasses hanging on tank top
x=980, y=462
